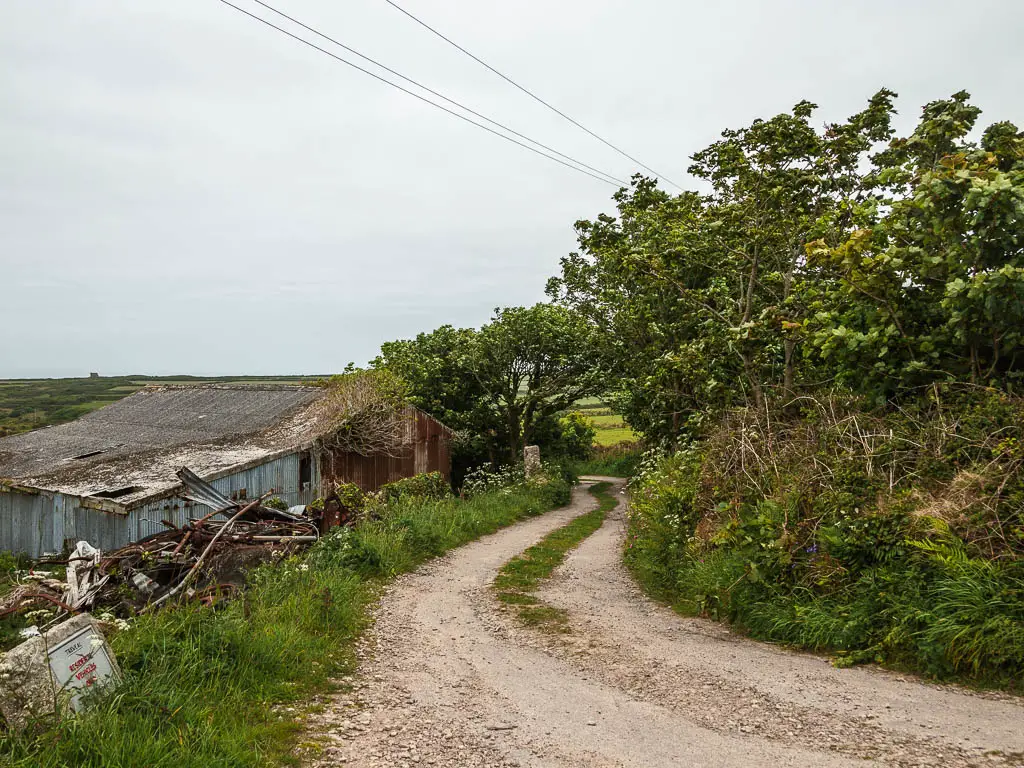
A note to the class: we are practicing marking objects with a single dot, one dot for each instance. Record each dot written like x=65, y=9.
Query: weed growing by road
x=620, y=460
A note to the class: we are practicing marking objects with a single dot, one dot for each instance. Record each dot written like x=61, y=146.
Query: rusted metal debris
x=204, y=560
x=23, y=596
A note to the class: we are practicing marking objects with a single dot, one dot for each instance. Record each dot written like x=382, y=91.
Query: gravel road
x=447, y=678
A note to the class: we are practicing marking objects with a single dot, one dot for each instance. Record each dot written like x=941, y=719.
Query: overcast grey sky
x=183, y=190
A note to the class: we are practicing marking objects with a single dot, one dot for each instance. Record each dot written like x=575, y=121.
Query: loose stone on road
x=448, y=678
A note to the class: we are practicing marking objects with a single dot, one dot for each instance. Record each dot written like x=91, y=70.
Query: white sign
x=80, y=662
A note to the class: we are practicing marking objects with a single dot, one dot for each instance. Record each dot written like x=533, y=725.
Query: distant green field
x=607, y=437
x=33, y=403
x=611, y=429
x=605, y=420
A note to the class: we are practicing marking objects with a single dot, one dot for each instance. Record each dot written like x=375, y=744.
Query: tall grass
x=966, y=623
x=207, y=687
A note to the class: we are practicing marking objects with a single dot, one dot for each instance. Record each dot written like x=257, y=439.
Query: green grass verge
x=523, y=574
x=888, y=587
x=211, y=687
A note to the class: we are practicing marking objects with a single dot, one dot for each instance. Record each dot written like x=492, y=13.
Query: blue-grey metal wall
x=36, y=523
x=27, y=521
x=281, y=474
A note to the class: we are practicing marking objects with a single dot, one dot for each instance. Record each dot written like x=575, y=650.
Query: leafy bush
x=488, y=478
x=350, y=496
x=552, y=487
x=576, y=436
x=553, y=484
x=620, y=460
x=8, y=565
x=428, y=485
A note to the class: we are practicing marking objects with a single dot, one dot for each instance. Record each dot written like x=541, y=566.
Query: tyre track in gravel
x=447, y=678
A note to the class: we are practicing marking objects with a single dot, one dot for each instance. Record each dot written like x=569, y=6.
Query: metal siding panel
x=26, y=522
x=105, y=530
x=315, y=486
x=59, y=521
x=6, y=521
x=70, y=532
x=10, y=505
x=428, y=452
x=47, y=542
x=145, y=521
x=37, y=523
x=281, y=475
x=20, y=508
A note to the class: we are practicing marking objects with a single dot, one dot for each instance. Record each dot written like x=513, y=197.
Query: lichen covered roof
x=140, y=441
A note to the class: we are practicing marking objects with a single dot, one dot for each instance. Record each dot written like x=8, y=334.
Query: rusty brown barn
x=109, y=477
x=428, y=451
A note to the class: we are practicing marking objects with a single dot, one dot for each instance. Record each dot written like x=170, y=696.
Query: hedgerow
x=893, y=537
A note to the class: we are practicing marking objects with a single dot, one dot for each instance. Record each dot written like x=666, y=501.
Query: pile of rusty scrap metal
x=204, y=560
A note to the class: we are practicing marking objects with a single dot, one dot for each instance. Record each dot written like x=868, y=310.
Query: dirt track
x=448, y=679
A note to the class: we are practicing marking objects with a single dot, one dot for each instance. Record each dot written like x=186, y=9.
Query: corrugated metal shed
x=281, y=475
x=36, y=521
x=245, y=441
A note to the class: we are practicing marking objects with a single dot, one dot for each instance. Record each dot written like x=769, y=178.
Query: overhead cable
x=431, y=91
x=416, y=95
x=529, y=93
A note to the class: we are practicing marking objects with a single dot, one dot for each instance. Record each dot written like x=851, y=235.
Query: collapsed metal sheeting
x=201, y=492
x=205, y=559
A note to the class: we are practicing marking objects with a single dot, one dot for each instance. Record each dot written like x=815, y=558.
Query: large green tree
x=699, y=294
x=501, y=386
x=531, y=363
x=438, y=368
x=932, y=289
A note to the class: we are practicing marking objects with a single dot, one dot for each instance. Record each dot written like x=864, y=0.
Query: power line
x=529, y=93
x=414, y=95
x=430, y=90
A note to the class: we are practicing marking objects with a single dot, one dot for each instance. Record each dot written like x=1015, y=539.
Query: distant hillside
x=32, y=403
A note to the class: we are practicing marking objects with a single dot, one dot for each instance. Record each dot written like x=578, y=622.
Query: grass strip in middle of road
x=523, y=574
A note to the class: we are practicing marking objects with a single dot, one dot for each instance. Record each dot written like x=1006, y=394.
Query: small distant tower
x=94, y=375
